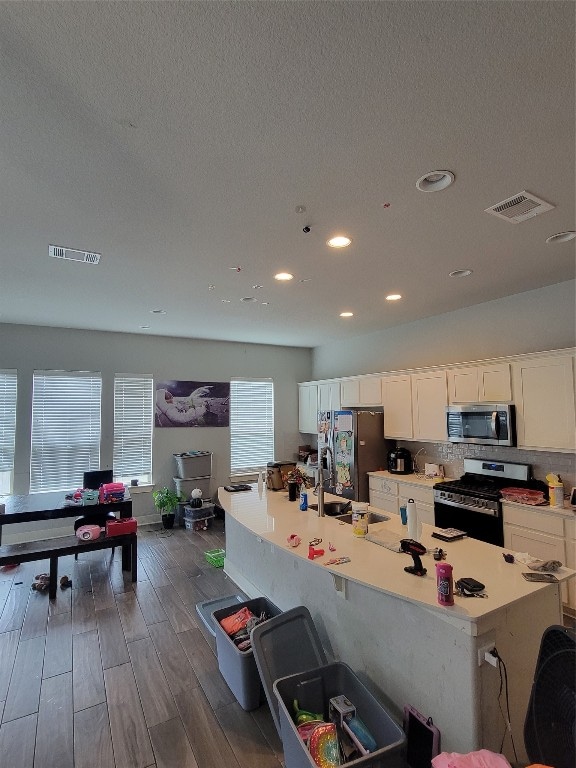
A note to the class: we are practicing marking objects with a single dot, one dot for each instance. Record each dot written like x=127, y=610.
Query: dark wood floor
x=116, y=675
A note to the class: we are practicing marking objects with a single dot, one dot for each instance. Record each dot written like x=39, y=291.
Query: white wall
x=29, y=348
x=526, y=322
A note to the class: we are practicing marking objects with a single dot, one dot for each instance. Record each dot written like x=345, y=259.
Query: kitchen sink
x=374, y=517
x=333, y=508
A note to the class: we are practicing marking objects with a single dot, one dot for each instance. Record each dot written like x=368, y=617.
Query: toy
x=196, y=498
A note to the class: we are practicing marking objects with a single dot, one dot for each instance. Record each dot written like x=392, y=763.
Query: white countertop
x=273, y=518
x=412, y=479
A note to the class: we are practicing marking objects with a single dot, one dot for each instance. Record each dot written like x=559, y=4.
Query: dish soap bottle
x=556, y=490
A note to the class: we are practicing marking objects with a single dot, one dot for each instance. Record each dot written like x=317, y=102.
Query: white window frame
x=133, y=427
x=8, y=402
x=251, y=425
x=66, y=429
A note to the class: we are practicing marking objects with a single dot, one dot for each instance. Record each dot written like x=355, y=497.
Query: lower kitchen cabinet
x=389, y=495
x=383, y=494
x=539, y=533
x=423, y=499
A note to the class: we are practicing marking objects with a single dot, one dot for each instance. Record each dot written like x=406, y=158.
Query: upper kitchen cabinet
x=545, y=402
x=329, y=396
x=480, y=384
x=429, y=401
x=397, y=402
x=308, y=408
x=363, y=391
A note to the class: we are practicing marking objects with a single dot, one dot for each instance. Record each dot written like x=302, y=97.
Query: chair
x=98, y=518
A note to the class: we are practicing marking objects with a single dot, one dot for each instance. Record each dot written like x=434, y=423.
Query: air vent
x=519, y=208
x=58, y=252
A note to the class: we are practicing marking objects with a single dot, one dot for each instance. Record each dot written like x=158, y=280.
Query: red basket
x=120, y=527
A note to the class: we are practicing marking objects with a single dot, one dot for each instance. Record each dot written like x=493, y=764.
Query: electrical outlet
x=483, y=650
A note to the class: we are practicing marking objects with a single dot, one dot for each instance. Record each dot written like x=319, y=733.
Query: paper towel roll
x=414, y=525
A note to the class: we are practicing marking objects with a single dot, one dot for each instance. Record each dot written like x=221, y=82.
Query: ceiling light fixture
x=460, y=273
x=144, y=327
x=434, y=181
x=248, y=299
x=225, y=301
x=340, y=241
x=346, y=314
x=393, y=297
x=283, y=276
x=561, y=237
x=157, y=311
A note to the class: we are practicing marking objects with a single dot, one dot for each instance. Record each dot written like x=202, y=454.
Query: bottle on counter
x=303, y=500
x=444, y=584
x=359, y=518
x=555, y=490
x=414, y=525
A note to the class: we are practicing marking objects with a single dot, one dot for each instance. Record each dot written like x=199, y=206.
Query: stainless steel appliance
x=482, y=423
x=473, y=504
x=357, y=446
x=400, y=461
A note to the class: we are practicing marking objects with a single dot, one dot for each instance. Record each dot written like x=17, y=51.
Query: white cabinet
x=480, y=384
x=329, y=396
x=308, y=408
x=539, y=533
x=429, y=401
x=570, y=538
x=383, y=494
x=397, y=402
x=545, y=402
x=423, y=499
x=366, y=390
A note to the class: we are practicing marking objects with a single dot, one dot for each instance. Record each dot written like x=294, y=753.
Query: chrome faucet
x=326, y=451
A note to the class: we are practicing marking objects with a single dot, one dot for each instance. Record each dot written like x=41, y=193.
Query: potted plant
x=166, y=502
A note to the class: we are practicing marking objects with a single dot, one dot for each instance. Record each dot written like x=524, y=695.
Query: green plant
x=165, y=501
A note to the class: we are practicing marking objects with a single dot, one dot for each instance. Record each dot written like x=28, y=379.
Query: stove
x=472, y=503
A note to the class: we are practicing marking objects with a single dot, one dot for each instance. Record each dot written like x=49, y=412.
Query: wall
x=526, y=322
x=27, y=348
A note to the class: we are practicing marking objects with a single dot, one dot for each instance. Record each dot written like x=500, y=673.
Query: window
x=8, y=390
x=251, y=425
x=65, y=429
x=133, y=421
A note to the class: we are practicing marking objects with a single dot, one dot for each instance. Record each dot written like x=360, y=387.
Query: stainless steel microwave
x=481, y=423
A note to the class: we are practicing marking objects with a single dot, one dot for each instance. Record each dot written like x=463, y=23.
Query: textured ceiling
x=178, y=138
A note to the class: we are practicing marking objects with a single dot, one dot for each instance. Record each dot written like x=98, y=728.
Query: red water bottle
x=444, y=584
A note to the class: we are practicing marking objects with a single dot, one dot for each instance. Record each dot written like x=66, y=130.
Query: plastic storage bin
x=290, y=642
x=185, y=486
x=206, y=608
x=193, y=463
x=237, y=667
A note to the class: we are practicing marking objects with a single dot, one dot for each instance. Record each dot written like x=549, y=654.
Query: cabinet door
x=494, y=384
x=350, y=392
x=371, y=390
x=544, y=397
x=329, y=396
x=540, y=545
x=429, y=400
x=463, y=385
x=308, y=408
x=397, y=402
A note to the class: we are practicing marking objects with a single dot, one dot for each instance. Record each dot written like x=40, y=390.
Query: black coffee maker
x=400, y=461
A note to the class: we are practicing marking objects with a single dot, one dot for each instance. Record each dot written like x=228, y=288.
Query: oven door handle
x=494, y=425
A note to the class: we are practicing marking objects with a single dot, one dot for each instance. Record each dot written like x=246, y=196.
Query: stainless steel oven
x=472, y=503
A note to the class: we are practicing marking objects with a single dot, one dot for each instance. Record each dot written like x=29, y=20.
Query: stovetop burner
x=475, y=485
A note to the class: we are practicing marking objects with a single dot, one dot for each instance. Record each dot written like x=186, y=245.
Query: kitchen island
x=387, y=625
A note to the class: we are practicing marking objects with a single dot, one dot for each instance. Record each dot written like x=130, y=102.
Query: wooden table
x=53, y=505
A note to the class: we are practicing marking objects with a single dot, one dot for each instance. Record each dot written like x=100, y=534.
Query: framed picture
x=192, y=404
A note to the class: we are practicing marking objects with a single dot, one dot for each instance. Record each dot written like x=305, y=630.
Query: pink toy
x=88, y=532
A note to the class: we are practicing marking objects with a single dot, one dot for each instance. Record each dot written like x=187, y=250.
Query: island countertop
x=273, y=518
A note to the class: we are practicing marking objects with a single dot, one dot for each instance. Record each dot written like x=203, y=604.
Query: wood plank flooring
x=120, y=675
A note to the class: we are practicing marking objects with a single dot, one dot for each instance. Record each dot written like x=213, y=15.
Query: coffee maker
x=400, y=461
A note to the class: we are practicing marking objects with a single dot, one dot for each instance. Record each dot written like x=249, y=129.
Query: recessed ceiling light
x=434, y=181
x=265, y=303
x=460, y=273
x=305, y=280
x=248, y=299
x=561, y=237
x=144, y=327
x=283, y=276
x=393, y=297
x=338, y=242
x=256, y=287
x=346, y=314
x=225, y=301
x=157, y=311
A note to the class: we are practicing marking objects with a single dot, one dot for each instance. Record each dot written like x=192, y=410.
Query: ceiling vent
x=58, y=252
x=519, y=208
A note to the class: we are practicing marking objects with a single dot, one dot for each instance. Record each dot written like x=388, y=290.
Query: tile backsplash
x=452, y=455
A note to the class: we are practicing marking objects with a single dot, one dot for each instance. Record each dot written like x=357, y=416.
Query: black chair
x=98, y=518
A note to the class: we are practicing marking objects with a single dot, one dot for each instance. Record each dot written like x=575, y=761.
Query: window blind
x=251, y=424
x=65, y=429
x=133, y=422
x=8, y=395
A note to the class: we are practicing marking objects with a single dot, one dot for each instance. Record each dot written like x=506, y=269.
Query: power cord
x=506, y=717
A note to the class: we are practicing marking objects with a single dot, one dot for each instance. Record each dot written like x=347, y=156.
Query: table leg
x=53, y=577
x=134, y=556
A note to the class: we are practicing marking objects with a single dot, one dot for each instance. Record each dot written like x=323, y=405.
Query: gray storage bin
x=293, y=665
x=193, y=463
x=237, y=667
x=185, y=486
x=206, y=608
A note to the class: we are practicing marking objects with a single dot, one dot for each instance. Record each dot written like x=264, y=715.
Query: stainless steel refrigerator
x=357, y=446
